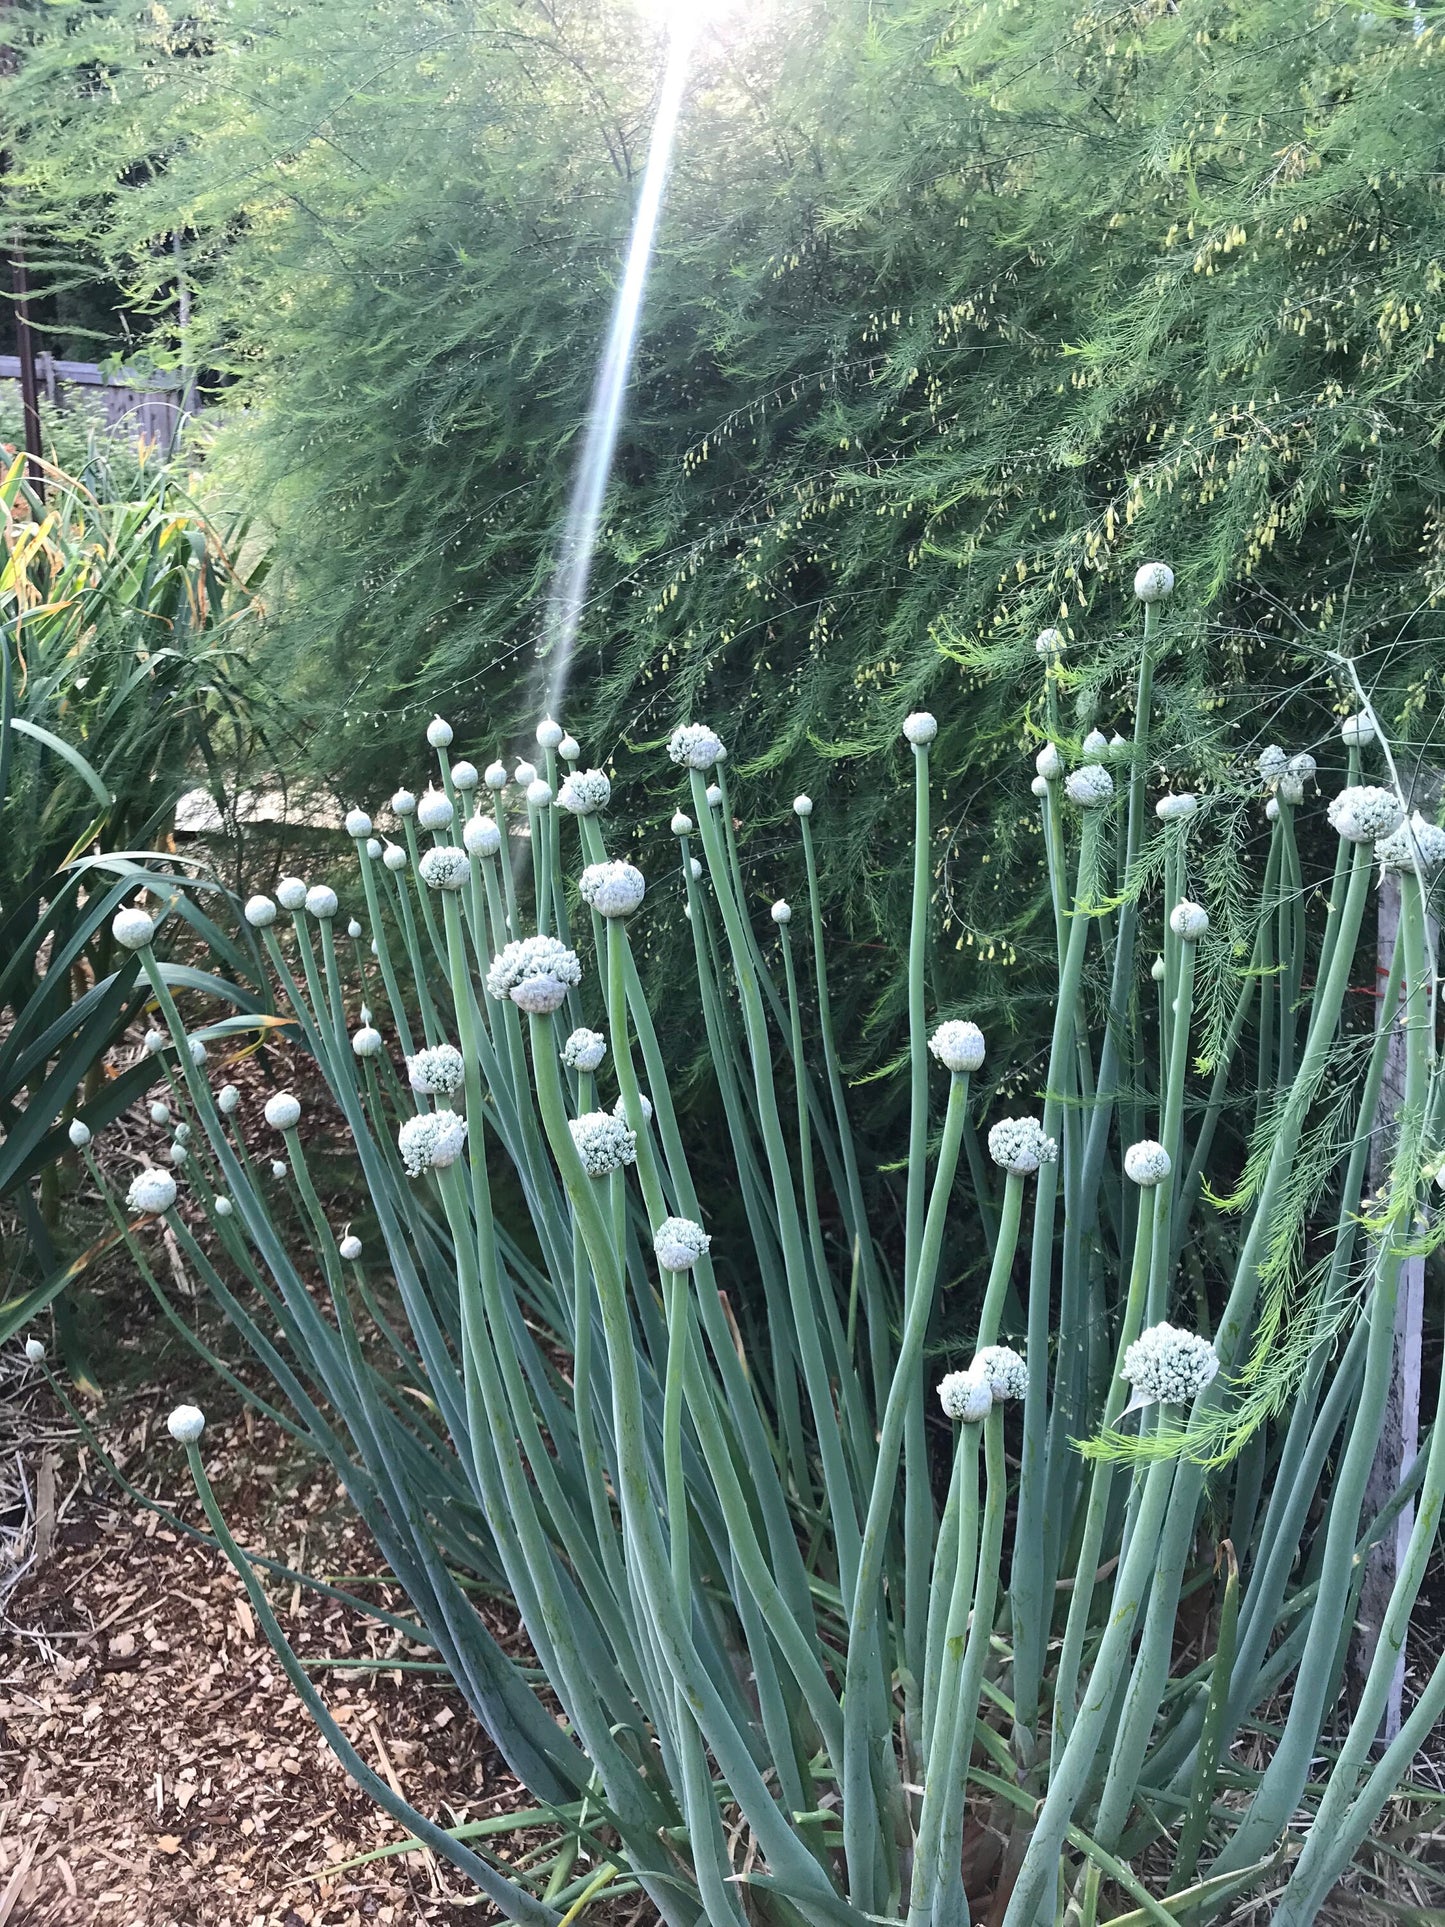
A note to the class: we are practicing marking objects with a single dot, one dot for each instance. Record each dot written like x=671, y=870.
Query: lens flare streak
x=568, y=592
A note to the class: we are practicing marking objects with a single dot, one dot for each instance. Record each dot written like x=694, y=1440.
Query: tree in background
x=957, y=314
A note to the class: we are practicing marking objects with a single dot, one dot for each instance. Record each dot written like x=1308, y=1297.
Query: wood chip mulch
x=155, y=1767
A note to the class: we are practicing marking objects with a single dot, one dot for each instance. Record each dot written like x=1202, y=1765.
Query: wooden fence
x=144, y=409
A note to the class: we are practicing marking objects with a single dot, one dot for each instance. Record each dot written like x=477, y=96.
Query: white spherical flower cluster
x=366, y=1042
x=541, y=968
x=132, y=929
x=1364, y=813
x=78, y=1130
x=434, y=811
x=291, y=893
x=584, y=1050
x=1169, y=1366
x=1154, y=582
x=1358, y=732
x=782, y=910
x=1020, y=1146
x=694, y=746
x=350, y=1247
x=186, y=1424
x=920, y=728
x=1303, y=767
x=1049, y=763
x=283, y=1111
x=358, y=823
x=1415, y=842
x=395, y=857
x=967, y=1396
x=495, y=776
x=1176, y=809
x=151, y=1192
x=481, y=837
x=612, y=889
x=585, y=792
x=260, y=911
x=619, y=1109
x=438, y=733
x=436, y=1071
x=403, y=803
x=603, y=1142
x=431, y=1141
x=321, y=901
x=1089, y=787
x=1271, y=763
x=1004, y=1370
x=550, y=733
x=1189, y=921
x=444, y=867
x=539, y=793
x=1049, y=644
x=1095, y=746
x=958, y=1045
x=1147, y=1163
x=227, y=1099
x=465, y=777
x=679, y=1243
x=1289, y=789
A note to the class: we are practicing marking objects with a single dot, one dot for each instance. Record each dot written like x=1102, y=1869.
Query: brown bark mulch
x=155, y=1767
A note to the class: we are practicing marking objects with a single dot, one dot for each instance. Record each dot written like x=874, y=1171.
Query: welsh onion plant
x=794, y=1669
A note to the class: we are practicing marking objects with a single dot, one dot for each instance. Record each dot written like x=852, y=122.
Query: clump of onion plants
x=813, y=1600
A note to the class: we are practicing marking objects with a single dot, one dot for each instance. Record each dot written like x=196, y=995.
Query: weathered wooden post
x=1399, y=1438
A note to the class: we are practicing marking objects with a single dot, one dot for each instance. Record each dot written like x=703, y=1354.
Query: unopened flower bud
x=1154, y=582
x=283, y=1111
x=132, y=929
x=186, y=1424
x=434, y=811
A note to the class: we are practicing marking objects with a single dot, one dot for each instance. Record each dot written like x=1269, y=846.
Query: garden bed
x=159, y=1770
